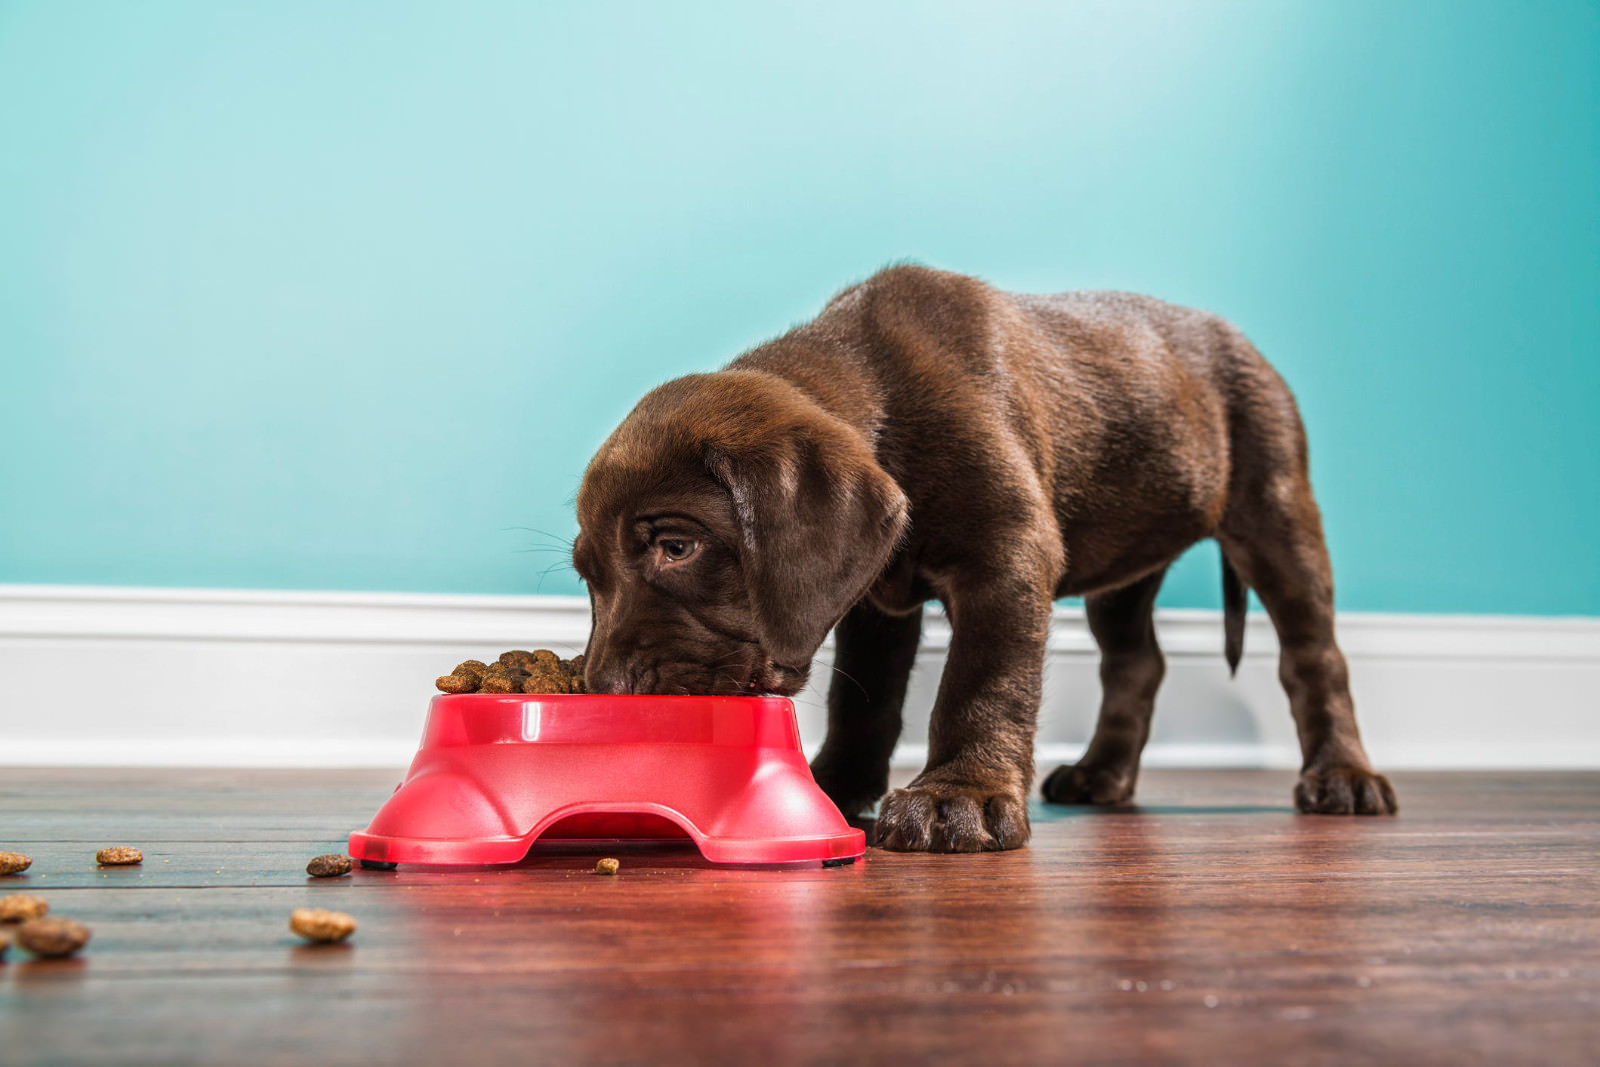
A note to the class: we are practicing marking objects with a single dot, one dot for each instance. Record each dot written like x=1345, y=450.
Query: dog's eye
x=676, y=548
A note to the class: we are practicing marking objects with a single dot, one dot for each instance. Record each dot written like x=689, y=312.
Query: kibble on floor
x=51, y=938
x=118, y=856
x=320, y=925
x=20, y=907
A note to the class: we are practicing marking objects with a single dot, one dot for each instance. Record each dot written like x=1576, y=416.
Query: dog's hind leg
x=1273, y=536
x=874, y=653
x=1131, y=669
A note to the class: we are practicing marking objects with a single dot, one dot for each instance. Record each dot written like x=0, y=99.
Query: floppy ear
x=818, y=521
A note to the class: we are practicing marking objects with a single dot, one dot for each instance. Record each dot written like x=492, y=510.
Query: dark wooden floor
x=1210, y=925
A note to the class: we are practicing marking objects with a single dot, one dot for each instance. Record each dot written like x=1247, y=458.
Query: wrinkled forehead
x=627, y=475
x=616, y=496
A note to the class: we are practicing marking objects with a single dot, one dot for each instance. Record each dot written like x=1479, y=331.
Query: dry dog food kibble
x=517, y=671
x=330, y=866
x=119, y=856
x=5, y=943
x=464, y=679
x=19, y=908
x=317, y=924
x=14, y=862
x=530, y=662
x=500, y=680
x=52, y=938
x=607, y=866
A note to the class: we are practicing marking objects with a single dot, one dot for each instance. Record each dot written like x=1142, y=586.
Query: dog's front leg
x=873, y=656
x=972, y=795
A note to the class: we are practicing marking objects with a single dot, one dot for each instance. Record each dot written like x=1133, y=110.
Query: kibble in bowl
x=464, y=679
x=517, y=671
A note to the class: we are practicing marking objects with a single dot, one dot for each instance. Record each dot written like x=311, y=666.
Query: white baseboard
x=177, y=677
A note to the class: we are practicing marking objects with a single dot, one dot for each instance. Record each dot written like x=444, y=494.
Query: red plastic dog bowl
x=498, y=773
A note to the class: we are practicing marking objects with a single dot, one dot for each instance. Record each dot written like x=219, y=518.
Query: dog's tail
x=1235, y=597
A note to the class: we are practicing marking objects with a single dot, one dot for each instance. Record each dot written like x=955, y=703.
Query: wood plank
x=1209, y=924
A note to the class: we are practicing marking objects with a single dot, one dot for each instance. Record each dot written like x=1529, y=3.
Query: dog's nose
x=607, y=679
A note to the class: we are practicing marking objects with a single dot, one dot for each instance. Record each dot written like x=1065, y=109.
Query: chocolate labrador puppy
x=929, y=437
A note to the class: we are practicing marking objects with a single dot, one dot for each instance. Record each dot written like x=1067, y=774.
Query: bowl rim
x=656, y=697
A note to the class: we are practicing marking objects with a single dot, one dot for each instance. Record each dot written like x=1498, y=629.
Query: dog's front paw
x=935, y=816
x=1345, y=791
x=1083, y=783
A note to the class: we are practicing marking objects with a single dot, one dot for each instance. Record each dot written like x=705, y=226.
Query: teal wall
x=342, y=296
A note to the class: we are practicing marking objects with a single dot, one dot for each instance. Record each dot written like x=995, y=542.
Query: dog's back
x=1122, y=412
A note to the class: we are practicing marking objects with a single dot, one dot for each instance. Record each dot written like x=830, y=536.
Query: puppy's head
x=725, y=527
